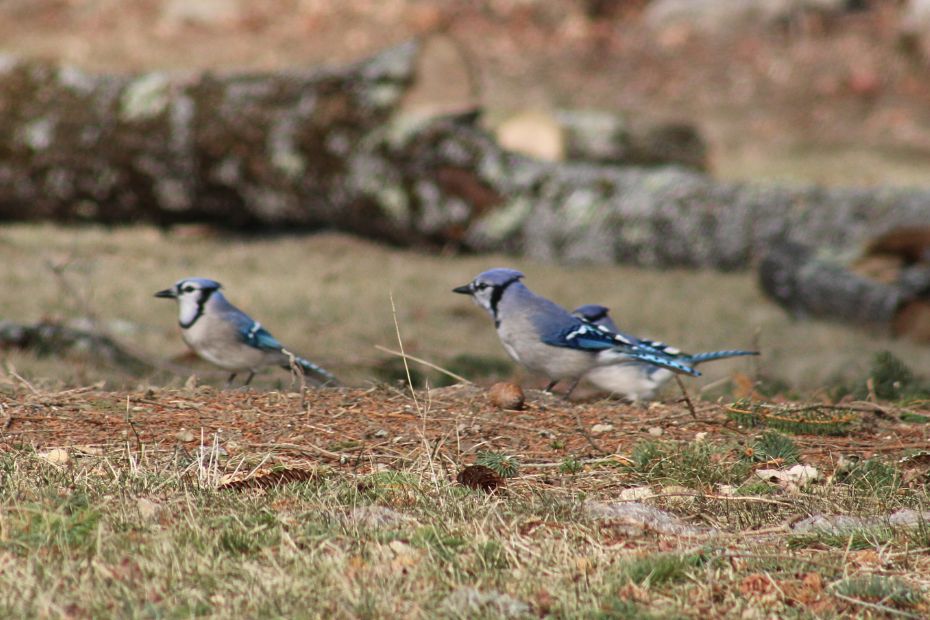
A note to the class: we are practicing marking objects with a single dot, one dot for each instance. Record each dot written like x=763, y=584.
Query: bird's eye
x=481, y=286
x=188, y=289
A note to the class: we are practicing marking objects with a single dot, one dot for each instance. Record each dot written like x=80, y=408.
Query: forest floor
x=345, y=503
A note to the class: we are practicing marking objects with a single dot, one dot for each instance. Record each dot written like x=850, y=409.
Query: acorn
x=506, y=396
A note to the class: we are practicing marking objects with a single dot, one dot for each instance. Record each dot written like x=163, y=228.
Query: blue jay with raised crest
x=546, y=339
x=225, y=336
x=639, y=381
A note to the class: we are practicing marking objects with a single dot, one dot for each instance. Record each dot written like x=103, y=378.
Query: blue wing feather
x=585, y=337
x=260, y=338
x=253, y=334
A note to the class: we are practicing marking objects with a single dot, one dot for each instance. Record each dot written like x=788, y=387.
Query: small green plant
x=615, y=608
x=493, y=555
x=854, y=539
x=756, y=488
x=807, y=420
x=646, y=455
x=697, y=465
x=774, y=446
x=892, y=379
x=880, y=589
x=505, y=466
x=914, y=418
x=871, y=476
x=442, y=544
x=571, y=465
x=661, y=568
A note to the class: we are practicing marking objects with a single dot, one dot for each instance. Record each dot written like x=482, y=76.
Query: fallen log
x=888, y=287
x=451, y=183
x=235, y=149
x=48, y=338
x=319, y=148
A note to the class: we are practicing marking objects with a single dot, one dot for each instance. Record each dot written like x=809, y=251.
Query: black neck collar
x=496, y=295
x=207, y=293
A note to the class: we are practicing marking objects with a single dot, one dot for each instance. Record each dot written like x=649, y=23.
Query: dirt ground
x=359, y=429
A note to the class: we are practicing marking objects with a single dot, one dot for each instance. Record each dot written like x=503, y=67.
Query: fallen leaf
x=796, y=476
x=55, y=456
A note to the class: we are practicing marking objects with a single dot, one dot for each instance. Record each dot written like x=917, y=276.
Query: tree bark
x=236, y=149
x=808, y=282
x=320, y=149
x=450, y=182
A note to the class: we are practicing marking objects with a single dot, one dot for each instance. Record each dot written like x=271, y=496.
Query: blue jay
x=546, y=339
x=224, y=335
x=639, y=381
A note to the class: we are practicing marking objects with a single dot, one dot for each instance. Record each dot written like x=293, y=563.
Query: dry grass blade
x=480, y=477
x=426, y=363
x=271, y=479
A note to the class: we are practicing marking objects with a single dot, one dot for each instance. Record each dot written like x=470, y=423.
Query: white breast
x=632, y=381
x=217, y=342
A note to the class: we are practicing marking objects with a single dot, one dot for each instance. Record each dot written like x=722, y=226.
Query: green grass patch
x=887, y=591
x=757, y=488
x=661, y=568
x=504, y=465
x=871, y=477
x=774, y=446
x=855, y=539
x=893, y=380
x=697, y=465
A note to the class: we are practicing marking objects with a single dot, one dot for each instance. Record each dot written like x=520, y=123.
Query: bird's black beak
x=168, y=292
x=465, y=289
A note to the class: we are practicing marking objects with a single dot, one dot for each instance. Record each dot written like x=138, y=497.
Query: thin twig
x=297, y=372
x=609, y=459
x=587, y=435
x=778, y=556
x=726, y=498
x=132, y=425
x=881, y=608
x=419, y=360
x=19, y=378
x=400, y=342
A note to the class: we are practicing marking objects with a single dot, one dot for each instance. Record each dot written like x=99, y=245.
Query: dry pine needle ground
x=231, y=503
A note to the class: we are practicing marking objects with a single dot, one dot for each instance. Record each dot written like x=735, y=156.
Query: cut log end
x=913, y=321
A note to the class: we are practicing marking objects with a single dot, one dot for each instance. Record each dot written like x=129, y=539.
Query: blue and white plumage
x=547, y=339
x=639, y=381
x=225, y=336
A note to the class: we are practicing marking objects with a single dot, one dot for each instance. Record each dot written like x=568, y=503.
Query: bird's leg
x=229, y=381
x=687, y=398
x=551, y=385
x=248, y=379
x=571, y=388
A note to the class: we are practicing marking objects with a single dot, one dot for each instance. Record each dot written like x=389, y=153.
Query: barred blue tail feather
x=663, y=361
x=631, y=354
x=318, y=375
x=699, y=358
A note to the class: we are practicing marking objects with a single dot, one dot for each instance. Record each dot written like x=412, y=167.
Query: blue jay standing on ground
x=638, y=381
x=546, y=339
x=224, y=335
